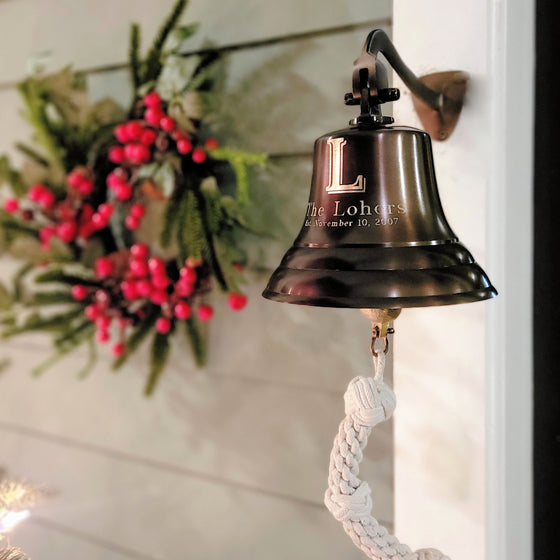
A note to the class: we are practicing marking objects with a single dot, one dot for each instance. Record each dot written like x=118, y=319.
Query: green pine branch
x=154, y=63
x=158, y=358
x=134, y=56
x=19, y=280
x=240, y=162
x=91, y=361
x=58, y=275
x=51, y=298
x=84, y=335
x=72, y=333
x=9, y=175
x=32, y=154
x=56, y=322
x=196, y=341
x=172, y=213
x=136, y=338
x=47, y=133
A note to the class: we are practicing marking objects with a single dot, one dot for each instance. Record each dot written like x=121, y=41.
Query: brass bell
x=375, y=234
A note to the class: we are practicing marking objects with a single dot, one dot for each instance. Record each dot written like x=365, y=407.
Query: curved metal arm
x=438, y=98
x=378, y=41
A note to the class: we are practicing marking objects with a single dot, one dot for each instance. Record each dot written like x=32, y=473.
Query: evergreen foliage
x=75, y=140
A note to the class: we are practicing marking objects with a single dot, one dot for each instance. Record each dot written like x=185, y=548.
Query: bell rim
x=383, y=302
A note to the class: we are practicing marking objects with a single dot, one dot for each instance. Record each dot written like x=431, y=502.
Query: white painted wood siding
x=228, y=462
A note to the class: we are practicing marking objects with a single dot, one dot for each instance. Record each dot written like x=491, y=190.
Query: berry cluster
x=138, y=142
x=70, y=219
x=133, y=284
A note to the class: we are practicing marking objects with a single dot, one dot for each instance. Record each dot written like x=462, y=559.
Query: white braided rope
x=367, y=402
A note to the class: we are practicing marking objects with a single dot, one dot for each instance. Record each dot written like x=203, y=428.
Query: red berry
x=45, y=235
x=143, y=287
x=102, y=336
x=118, y=349
x=86, y=213
x=160, y=282
x=46, y=198
x=191, y=262
x=106, y=209
x=79, y=292
x=86, y=187
x=137, y=153
x=163, y=325
x=167, y=123
x=137, y=210
x=238, y=266
x=103, y=267
x=138, y=267
x=128, y=289
x=182, y=310
x=152, y=99
x=157, y=266
x=103, y=322
x=205, y=312
x=178, y=134
x=237, y=301
x=116, y=154
x=143, y=154
x=74, y=178
x=199, y=155
x=99, y=221
x=132, y=222
x=188, y=274
x=133, y=129
x=123, y=191
x=184, y=146
x=130, y=151
x=115, y=179
x=211, y=144
x=121, y=133
x=86, y=230
x=101, y=298
x=184, y=289
x=11, y=205
x=153, y=115
x=36, y=191
x=148, y=137
x=91, y=312
x=159, y=297
x=67, y=231
x=65, y=211
x=140, y=250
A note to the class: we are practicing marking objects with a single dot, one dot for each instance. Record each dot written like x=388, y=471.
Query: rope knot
x=369, y=401
x=350, y=507
x=431, y=554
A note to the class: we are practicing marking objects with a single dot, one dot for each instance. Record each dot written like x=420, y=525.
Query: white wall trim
x=509, y=399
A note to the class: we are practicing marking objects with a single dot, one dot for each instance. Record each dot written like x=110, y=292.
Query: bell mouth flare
x=379, y=277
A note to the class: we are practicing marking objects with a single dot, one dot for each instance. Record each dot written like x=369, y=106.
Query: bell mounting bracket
x=438, y=98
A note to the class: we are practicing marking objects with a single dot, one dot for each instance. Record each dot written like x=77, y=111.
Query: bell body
x=375, y=235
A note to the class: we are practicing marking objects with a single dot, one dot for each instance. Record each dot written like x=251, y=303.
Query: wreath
x=125, y=219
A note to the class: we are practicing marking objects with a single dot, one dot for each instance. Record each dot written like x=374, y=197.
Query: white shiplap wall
x=228, y=462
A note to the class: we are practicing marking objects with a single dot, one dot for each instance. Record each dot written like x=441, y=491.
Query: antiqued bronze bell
x=375, y=234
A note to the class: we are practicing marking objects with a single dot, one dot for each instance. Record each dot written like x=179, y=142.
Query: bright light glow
x=9, y=519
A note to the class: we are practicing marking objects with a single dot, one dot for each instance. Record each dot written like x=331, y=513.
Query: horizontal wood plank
x=79, y=33
x=161, y=515
x=269, y=438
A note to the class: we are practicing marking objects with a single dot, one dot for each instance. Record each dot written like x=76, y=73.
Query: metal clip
x=375, y=334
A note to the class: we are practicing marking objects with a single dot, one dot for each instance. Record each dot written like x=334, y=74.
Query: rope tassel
x=367, y=402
